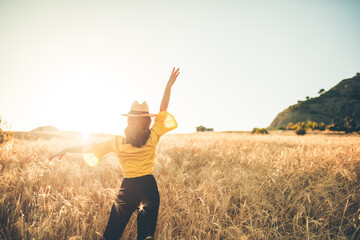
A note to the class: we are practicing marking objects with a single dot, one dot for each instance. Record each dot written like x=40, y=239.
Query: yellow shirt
x=135, y=161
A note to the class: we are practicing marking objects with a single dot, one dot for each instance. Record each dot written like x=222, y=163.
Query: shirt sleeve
x=164, y=122
x=99, y=150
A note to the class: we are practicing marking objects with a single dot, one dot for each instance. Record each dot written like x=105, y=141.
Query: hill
x=45, y=129
x=333, y=106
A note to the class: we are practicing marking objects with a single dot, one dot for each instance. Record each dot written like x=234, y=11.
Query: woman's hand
x=165, y=101
x=58, y=154
x=173, y=77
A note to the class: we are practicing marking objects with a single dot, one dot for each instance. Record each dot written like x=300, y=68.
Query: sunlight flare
x=85, y=137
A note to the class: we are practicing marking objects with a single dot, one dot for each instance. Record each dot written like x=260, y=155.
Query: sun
x=85, y=137
x=78, y=101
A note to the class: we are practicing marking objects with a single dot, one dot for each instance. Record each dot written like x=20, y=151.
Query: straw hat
x=139, y=110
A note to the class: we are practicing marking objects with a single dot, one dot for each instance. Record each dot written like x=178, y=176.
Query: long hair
x=137, y=132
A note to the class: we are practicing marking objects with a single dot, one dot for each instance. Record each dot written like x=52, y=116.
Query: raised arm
x=77, y=149
x=165, y=101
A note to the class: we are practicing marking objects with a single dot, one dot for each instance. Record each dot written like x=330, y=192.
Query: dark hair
x=137, y=132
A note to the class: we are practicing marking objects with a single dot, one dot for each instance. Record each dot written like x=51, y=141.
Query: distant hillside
x=45, y=129
x=333, y=106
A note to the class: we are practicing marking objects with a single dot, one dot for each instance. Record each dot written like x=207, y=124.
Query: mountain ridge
x=341, y=101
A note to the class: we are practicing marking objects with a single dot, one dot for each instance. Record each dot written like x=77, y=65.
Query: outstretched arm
x=77, y=149
x=165, y=101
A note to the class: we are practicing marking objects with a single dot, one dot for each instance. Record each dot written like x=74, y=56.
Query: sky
x=77, y=65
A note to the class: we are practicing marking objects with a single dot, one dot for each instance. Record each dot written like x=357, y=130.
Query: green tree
x=350, y=125
x=321, y=91
x=309, y=124
x=322, y=126
x=290, y=126
x=300, y=130
x=300, y=124
x=315, y=126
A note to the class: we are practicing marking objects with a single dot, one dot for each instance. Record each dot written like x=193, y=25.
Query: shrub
x=308, y=124
x=290, y=126
x=201, y=128
x=335, y=127
x=300, y=124
x=300, y=130
x=260, y=131
x=348, y=125
x=315, y=126
x=322, y=126
x=4, y=136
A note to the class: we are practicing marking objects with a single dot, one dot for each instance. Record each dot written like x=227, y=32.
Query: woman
x=136, y=154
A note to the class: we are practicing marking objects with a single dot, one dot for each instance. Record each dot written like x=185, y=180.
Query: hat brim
x=139, y=115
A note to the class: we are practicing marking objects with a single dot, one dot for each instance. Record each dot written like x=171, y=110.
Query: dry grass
x=212, y=186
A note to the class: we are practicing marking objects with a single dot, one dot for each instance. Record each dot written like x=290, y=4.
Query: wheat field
x=212, y=186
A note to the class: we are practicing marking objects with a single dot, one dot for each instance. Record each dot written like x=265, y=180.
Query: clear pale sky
x=77, y=65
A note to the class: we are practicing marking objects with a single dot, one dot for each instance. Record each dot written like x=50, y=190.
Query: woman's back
x=135, y=161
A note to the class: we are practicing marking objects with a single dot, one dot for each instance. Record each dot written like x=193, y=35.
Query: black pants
x=140, y=193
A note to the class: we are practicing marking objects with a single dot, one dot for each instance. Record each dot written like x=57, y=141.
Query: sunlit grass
x=212, y=186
